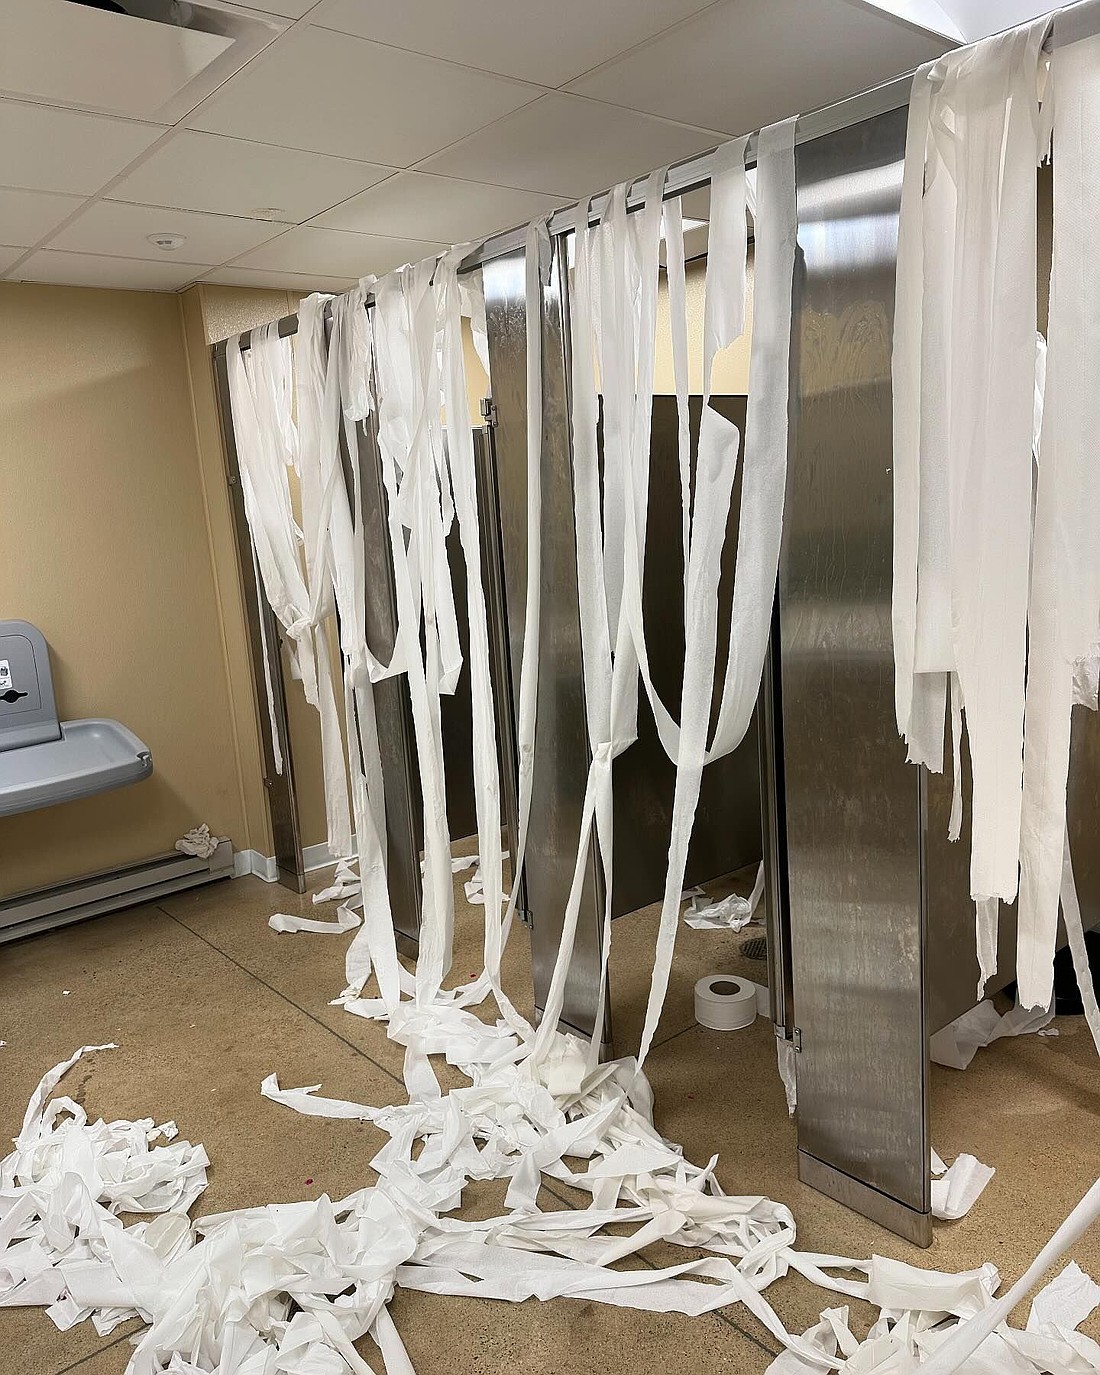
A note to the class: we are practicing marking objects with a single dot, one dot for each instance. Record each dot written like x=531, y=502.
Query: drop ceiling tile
x=88, y=269
x=85, y=55
x=9, y=256
x=519, y=38
x=45, y=149
x=414, y=205
x=27, y=216
x=568, y=147
x=741, y=64
x=230, y=176
x=328, y=93
x=336, y=253
x=304, y=282
x=110, y=227
x=288, y=9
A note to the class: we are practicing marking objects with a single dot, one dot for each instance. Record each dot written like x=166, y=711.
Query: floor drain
x=756, y=948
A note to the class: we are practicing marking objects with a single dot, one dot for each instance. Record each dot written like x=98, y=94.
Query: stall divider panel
x=264, y=635
x=853, y=805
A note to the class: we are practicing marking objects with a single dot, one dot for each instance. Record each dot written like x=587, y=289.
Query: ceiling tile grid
x=305, y=282
x=326, y=92
x=232, y=176
x=28, y=216
x=89, y=269
x=367, y=133
x=517, y=38
x=113, y=229
x=740, y=65
x=337, y=252
x=567, y=146
x=47, y=149
x=457, y=211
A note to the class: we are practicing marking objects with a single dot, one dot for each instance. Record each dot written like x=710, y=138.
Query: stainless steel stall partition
x=727, y=832
x=871, y=922
x=853, y=834
x=397, y=747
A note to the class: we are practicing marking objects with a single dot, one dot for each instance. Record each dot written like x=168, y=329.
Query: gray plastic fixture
x=44, y=761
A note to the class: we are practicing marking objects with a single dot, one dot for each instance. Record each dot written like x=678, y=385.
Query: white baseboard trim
x=318, y=856
x=251, y=862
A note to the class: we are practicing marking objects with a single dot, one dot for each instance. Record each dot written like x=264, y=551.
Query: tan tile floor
x=204, y=1001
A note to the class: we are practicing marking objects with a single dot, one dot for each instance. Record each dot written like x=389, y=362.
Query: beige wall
x=121, y=548
x=106, y=551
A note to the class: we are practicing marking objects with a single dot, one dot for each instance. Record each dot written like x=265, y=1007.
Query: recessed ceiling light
x=167, y=243
x=268, y=212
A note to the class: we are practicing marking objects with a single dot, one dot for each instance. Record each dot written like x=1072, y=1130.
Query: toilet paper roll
x=724, y=1003
x=763, y=1001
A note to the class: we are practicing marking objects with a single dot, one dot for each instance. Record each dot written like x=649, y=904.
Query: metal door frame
x=265, y=658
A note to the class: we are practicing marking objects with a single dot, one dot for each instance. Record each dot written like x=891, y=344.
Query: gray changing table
x=44, y=761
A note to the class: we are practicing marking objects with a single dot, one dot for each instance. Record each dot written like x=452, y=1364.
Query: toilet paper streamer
x=535, y=1100
x=964, y=378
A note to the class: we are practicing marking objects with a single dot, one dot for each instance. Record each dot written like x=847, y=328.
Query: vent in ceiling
x=148, y=59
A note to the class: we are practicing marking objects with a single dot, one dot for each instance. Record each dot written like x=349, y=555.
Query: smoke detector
x=167, y=243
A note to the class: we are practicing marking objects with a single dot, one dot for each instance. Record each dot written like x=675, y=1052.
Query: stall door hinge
x=794, y=1036
x=488, y=411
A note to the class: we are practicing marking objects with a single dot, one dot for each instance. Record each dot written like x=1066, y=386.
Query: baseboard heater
x=42, y=909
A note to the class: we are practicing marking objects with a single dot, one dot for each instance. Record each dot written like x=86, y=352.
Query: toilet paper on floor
x=955, y=1190
x=731, y=913
x=345, y=920
x=957, y=1044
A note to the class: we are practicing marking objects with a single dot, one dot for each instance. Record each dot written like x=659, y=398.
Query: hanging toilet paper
x=723, y=1003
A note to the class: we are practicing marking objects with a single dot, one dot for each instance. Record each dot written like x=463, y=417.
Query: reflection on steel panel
x=561, y=747
x=853, y=805
x=773, y=826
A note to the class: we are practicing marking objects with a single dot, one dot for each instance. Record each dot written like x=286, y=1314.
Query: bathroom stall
x=869, y=922
x=401, y=778
x=870, y=918
x=727, y=834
